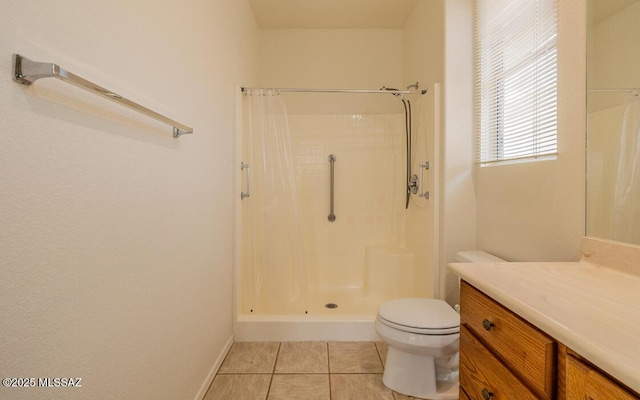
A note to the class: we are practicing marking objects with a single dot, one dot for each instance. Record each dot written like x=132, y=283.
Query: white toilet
x=423, y=337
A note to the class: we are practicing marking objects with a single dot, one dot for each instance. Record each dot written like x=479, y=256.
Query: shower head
x=414, y=86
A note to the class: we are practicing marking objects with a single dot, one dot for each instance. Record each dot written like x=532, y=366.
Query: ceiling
x=332, y=14
x=602, y=9
x=368, y=14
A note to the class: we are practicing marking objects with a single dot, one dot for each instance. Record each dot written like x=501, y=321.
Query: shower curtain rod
x=627, y=90
x=310, y=90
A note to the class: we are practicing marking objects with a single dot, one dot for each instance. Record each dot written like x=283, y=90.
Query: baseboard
x=250, y=328
x=214, y=369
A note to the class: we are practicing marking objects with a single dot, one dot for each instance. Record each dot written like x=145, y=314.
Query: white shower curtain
x=275, y=264
x=626, y=212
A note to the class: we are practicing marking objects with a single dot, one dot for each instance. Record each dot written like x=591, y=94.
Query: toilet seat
x=421, y=316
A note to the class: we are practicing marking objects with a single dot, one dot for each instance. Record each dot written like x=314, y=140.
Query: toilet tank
x=476, y=256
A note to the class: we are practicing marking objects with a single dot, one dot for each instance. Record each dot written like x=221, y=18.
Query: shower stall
x=336, y=211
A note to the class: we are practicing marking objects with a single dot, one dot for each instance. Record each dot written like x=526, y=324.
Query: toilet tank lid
x=476, y=256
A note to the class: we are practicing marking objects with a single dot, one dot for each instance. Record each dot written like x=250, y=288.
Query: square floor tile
x=303, y=357
x=235, y=387
x=359, y=386
x=300, y=386
x=354, y=357
x=250, y=358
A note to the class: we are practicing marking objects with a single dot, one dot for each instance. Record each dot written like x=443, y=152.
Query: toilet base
x=415, y=375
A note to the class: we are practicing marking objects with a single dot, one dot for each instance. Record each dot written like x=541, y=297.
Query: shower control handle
x=412, y=186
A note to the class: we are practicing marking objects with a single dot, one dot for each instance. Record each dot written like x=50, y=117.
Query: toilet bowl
x=423, y=337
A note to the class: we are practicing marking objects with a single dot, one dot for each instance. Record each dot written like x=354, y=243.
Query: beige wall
x=334, y=58
x=115, y=242
x=535, y=211
x=424, y=44
x=615, y=57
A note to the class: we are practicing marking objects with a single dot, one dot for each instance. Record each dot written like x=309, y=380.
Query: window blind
x=515, y=79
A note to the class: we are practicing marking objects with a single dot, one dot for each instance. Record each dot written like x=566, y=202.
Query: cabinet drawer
x=483, y=377
x=529, y=353
x=585, y=382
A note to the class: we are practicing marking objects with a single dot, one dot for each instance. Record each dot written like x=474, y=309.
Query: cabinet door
x=585, y=382
x=483, y=377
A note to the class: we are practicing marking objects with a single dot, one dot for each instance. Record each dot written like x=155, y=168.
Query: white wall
x=115, y=245
x=458, y=215
x=535, y=211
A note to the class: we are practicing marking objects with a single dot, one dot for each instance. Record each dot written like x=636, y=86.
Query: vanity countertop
x=590, y=308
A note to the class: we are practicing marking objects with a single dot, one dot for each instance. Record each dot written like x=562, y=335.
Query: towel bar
x=26, y=72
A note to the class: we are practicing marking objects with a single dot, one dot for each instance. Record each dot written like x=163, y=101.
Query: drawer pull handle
x=486, y=394
x=487, y=325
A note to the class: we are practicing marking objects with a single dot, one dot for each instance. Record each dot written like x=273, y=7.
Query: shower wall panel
x=369, y=191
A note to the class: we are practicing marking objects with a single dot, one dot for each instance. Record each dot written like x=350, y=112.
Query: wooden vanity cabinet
x=502, y=356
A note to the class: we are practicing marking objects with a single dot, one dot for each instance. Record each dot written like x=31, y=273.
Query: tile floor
x=303, y=370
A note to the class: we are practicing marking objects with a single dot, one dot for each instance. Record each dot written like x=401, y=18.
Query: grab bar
x=423, y=193
x=247, y=167
x=26, y=72
x=332, y=161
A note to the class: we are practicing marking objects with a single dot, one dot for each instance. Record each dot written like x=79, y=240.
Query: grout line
x=328, y=369
x=379, y=355
x=328, y=359
x=354, y=373
x=244, y=373
x=273, y=370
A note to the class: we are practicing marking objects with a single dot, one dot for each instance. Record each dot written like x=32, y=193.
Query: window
x=515, y=79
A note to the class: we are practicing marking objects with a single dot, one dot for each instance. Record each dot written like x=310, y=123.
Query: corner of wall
x=214, y=369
